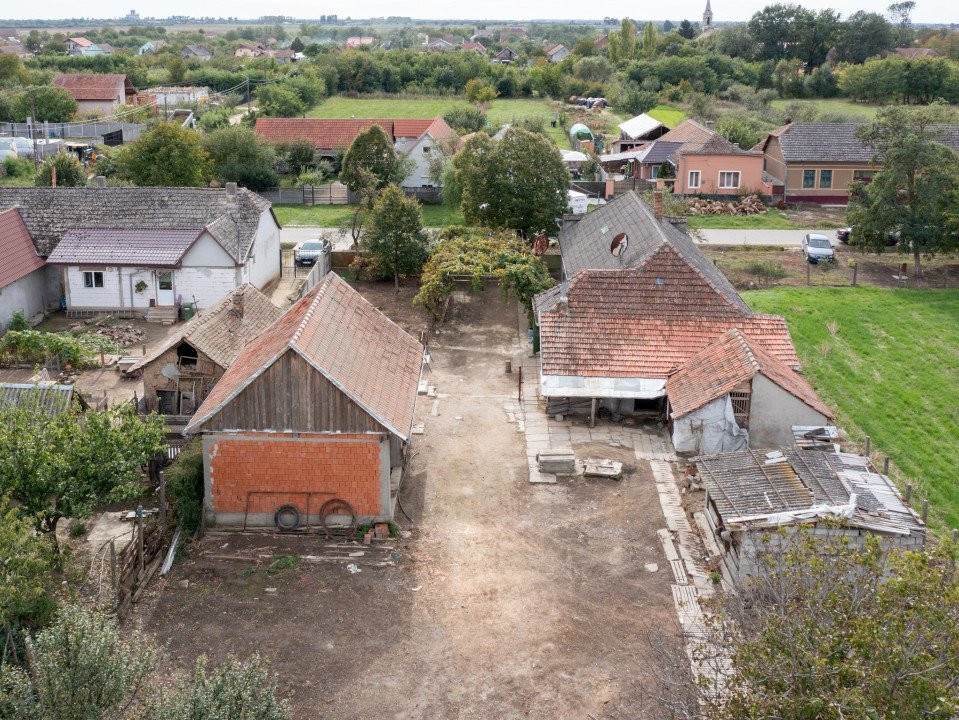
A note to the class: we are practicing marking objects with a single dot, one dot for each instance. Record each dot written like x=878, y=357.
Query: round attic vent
x=619, y=244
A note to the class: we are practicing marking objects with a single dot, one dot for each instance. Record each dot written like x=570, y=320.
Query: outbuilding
x=318, y=408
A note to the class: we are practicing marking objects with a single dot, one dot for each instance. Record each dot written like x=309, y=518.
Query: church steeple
x=707, y=17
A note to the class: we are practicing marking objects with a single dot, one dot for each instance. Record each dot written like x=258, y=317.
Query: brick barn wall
x=286, y=466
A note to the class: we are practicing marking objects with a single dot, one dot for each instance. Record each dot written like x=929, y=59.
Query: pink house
x=717, y=167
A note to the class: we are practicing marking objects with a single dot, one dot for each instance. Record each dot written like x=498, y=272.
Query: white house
x=25, y=282
x=421, y=146
x=557, y=53
x=179, y=96
x=134, y=251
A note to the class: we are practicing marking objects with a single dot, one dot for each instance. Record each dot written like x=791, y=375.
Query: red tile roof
x=646, y=321
x=330, y=133
x=477, y=46
x=349, y=341
x=727, y=362
x=89, y=86
x=19, y=254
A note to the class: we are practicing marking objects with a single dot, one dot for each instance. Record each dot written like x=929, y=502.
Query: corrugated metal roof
x=639, y=126
x=55, y=399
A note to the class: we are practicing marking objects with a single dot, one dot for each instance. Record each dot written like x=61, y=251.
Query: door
x=165, y=288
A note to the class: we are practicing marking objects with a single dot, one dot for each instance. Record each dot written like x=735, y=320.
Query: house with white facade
x=25, y=283
x=148, y=251
x=97, y=93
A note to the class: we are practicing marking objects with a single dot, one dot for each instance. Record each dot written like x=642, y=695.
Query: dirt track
x=507, y=600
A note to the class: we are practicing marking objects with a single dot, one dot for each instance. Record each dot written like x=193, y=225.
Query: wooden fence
x=336, y=193
x=134, y=565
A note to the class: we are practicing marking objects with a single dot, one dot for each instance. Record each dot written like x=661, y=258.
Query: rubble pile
x=749, y=205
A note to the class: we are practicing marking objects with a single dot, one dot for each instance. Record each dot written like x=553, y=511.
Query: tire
x=287, y=518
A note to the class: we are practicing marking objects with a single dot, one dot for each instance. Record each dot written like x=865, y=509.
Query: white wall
x=204, y=285
x=420, y=174
x=263, y=264
x=101, y=107
x=207, y=252
x=32, y=294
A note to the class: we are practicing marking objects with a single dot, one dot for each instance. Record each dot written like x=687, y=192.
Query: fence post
x=113, y=567
x=163, y=506
x=855, y=272
x=140, y=536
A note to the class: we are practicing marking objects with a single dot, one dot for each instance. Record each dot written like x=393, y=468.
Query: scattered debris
x=417, y=588
x=353, y=568
x=123, y=335
x=561, y=461
x=457, y=417
x=651, y=567
x=419, y=429
x=270, y=589
x=603, y=468
x=749, y=205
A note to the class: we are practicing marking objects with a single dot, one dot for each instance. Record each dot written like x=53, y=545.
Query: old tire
x=287, y=517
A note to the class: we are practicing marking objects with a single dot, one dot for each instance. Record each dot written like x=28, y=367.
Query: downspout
x=120, y=284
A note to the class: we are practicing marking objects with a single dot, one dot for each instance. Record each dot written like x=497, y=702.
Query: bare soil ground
x=505, y=600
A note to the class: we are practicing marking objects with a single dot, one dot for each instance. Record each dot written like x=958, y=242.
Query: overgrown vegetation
x=476, y=256
x=33, y=347
x=184, y=484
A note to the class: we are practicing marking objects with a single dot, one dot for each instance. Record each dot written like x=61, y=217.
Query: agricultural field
x=330, y=216
x=666, y=114
x=888, y=362
x=861, y=111
x=500, y=111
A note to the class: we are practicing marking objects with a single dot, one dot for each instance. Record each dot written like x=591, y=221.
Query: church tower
x=707, y=18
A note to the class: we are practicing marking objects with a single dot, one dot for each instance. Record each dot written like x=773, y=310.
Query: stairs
x=164, y=314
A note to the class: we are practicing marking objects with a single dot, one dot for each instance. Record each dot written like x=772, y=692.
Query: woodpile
x=122, y=335
x=749, y=205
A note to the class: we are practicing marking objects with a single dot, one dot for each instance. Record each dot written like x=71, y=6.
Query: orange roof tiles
x=90, y=86
x=331, y=133
x=19, y=254
x=349, y=341
x=726, y=363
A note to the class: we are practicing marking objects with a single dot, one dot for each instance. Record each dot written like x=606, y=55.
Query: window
x=863, y=175
x=809, y=178
x=825, y=178
x=693, y=179
x=426, y=149
x=741, y=402
x=165, y=280
x=654, y=172
x=93, y=279
x=729, y=179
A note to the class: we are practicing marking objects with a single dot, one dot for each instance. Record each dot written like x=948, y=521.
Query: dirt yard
x=501, y=599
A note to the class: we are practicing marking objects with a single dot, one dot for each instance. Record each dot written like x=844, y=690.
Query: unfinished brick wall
x=287, y=467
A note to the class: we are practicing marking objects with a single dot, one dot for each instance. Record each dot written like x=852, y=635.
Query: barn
x=319, y=407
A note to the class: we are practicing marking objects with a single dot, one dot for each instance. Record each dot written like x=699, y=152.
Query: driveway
x=290, y=235
x=504, y=599
x=784, y=238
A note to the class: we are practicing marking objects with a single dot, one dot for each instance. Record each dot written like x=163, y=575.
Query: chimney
x=100, y=181
x=231, y=189
x=238, y=303
x=710, y=124
x=658, y=204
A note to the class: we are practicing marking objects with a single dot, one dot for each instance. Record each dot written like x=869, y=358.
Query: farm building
x=102, y=94
x=750, y=495
x=732, y=393
x=640, y=304
x=180, y=373
x=318, y=407
x=148, y=251
x=25, y=281
x=54, y=399
x=637, y=131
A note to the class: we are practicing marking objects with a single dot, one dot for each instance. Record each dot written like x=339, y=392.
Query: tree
x=480, y=255
x=56, y=466
x=687, y=30
x=829, y=631
x=69, y=171
x=28, y=572
x=519, y=182
x=50, y=104
x=279, y=101
x=395, y=243
x=478, y=91
x=863, y=36
x=297, y=45
x=465, y=119
x=176, y=70
x=621, y=46
x=911, y=194
x=371, y=160
x=166, y=155
x=636, y=101
x=82, y=668
x=900, y=13
x=742, y=128
x=235, y=690
x=239, y=154
x=650, y=40
x=667, y=26
x=593, y=69
x=300, y=155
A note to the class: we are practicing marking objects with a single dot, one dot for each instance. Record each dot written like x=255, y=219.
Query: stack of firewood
x=749, y=205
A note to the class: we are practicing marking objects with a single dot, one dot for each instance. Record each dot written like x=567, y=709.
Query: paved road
x=786, y=238
x=291, y=235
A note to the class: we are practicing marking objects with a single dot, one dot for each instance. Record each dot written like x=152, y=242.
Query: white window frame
x=691, y=184
x=738, y=175
x=93, y=278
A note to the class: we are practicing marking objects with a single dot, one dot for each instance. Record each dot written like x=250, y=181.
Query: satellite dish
x=619, y=244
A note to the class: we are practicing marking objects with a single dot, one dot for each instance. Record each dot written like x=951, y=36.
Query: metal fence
x=67, y=131
x=319, y=270
x=336, y=193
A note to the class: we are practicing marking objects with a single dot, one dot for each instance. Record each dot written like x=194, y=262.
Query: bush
x=70, y=173
x=767, y=270
x=184, y=483
x=17, y=167
x=18, y=321
x=636, y=101
x=36, y=347
x=466, y=119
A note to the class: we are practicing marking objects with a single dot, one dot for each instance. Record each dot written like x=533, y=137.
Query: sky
x=931, y=11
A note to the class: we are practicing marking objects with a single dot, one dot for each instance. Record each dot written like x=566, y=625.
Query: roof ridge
x=310, y=309
x=748, y=348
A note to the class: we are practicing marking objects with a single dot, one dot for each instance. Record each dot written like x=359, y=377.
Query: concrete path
x=785, y=238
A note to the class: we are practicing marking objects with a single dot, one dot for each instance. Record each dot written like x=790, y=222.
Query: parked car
x=817, y=248
x=845, y=235
x=309, y=251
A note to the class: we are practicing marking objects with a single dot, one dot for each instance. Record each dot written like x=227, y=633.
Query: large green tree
x=371, y=159
x=65, y=465
x=518, y=182
x=46, y=103
x=238, y=154
x=28, y=576
x=394, y=239
x=166, y=155
x=910, y=196
x=650, y=40
x=279, y=101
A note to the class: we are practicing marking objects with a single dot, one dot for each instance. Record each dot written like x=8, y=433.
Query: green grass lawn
x=335, y=215
x=888, y=362
x=834, y=105
x=668, y=115
x=500, y=111
x=772, y=219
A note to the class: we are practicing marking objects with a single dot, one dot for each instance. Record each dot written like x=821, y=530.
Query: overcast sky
x=937, y=11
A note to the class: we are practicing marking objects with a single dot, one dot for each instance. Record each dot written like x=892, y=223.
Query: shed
x=318, y=407
x=54, y=399
x=750, y=494
x=181, y=372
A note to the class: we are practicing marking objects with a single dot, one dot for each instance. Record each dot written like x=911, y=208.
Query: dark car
x=845, y=235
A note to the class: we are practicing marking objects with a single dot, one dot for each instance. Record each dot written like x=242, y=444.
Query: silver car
x=817, y=248
x=308, y=251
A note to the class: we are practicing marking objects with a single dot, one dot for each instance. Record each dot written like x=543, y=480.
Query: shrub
x=18, y=321
x=70, y=173
x=466, y=119
x=184, y=483
x=17, y=167
x=768, y=270
x=36, y=347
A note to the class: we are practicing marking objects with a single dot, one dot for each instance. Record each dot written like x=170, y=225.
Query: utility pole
x=33, y=120
x=249, y=97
